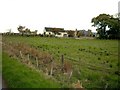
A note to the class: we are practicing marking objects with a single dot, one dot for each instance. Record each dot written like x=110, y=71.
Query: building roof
x=55, y=30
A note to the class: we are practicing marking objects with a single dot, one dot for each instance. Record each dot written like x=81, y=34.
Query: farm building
x=78, y=33
x=71, y=33
x=84, y=33
x=57, y=32
x=60, y=32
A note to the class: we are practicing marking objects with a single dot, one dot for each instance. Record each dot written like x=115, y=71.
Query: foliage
x=104, y=21
x=71, y=33
x=26, y=31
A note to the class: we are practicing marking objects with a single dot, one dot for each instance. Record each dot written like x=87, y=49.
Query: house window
x=44, y=33
x=59, y=33
x=65, y=35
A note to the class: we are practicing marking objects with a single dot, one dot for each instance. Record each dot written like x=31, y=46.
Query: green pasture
x=95, y=62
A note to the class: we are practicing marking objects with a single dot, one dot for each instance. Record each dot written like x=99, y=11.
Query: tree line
x=108, y=27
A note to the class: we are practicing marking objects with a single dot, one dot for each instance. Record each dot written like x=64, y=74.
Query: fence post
x=37, y=61
x=51, y=71
x=28, y=59
x=21, y=54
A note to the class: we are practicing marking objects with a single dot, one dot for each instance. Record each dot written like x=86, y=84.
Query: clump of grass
x=117, y=73
x=111, y=65
x=107, y=54
x=58, y=51
x=107, y=61
x=105, y=51
x=99, y=58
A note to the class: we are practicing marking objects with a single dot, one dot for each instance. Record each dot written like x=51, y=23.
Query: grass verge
x=18, y=75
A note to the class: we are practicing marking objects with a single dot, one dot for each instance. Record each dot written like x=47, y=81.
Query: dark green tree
x=104, y=21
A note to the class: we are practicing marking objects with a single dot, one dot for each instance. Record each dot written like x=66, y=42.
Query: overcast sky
x=68, y=14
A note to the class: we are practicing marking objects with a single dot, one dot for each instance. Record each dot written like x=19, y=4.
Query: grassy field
x=94, y=62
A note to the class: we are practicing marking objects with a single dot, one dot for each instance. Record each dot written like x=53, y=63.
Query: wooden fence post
x=51, y=71
x=46, y=71
x=21, y=55
x=62, y=62
x=28, y=59
x=37, y=61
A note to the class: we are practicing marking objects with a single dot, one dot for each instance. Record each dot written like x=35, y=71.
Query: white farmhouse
x=62, y=34
x=57, y=32
x=48, y=31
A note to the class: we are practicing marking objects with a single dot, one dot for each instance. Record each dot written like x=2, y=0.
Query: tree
x=104, y=21
x=114, y=28
x=33, y=32
x=71, y=33
x=79, y=34
x=21, y=29
x=26, y=31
